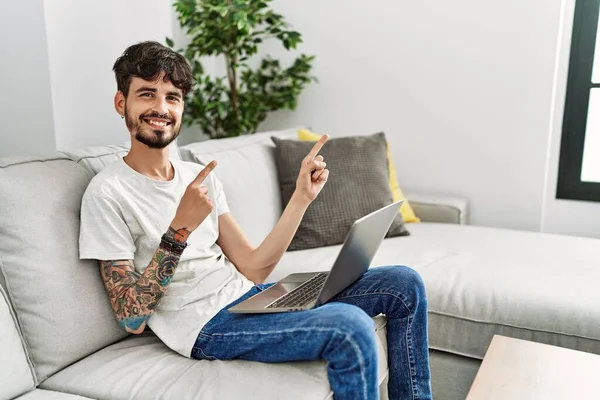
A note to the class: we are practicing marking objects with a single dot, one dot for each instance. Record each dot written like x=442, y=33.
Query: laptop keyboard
x=303, y=294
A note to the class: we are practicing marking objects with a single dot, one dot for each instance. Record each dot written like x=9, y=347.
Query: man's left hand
x=313, y=174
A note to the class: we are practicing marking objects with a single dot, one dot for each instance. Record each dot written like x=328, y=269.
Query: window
x=579, y=167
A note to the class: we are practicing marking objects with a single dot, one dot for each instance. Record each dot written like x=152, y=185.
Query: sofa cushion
x=95, y=158
x=39, y=394
x=141, y=367
x=60, y=300
x=17, y=376
x=485, y=281
x=408, y=215
x=246, y=168
x=2, y=276
x=358, y=185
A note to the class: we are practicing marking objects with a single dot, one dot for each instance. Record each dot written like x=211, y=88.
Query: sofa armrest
x=434, y=208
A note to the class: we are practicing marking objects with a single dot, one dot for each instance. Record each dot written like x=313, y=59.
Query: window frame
x=579, y=87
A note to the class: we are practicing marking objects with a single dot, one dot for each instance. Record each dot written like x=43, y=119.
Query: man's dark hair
x=147, y=60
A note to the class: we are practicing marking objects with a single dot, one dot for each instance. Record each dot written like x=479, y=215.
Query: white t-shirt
x=123, y=216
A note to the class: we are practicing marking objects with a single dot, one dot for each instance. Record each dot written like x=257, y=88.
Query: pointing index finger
x=317, y=147
x=204, y=173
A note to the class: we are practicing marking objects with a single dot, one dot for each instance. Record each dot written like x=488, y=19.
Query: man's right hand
x=195, y=205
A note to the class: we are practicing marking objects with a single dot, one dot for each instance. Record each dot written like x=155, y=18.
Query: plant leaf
x=237, y=103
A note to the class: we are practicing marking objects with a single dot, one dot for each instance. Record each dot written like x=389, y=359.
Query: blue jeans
x=341, y=332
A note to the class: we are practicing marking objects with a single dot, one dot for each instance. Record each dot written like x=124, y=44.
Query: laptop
x=304, y=291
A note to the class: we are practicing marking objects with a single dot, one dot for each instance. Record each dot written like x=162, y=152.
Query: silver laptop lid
x=357, y=253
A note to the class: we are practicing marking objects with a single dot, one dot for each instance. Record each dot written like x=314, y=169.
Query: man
x=173, y=258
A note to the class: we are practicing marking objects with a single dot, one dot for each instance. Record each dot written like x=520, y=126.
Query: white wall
x=469, y=93
x=26, y=105
x=84, y=40
x=565, y=216
x=463, y=90
x=56, y=72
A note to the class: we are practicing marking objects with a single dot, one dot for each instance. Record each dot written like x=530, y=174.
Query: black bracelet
x=167, y=243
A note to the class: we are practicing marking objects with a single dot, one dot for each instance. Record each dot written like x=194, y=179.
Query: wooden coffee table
x=518, y=369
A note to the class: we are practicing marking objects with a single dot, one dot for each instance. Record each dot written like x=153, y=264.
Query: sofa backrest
x=97, y=157
x=60, y=300
x=247, y=169
x=17, y=374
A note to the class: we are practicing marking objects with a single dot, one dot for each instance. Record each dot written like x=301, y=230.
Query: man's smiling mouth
x=157, y=123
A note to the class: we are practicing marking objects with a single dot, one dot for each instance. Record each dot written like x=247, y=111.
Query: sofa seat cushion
x=40, y=394
x=485, y=281
x=142, y=367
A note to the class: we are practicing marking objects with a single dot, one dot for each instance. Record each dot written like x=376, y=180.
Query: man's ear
x=120, y=103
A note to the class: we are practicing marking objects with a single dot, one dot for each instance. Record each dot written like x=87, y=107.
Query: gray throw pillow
x=358, y=184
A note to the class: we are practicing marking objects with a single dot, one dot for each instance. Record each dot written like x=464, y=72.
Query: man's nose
x=161, y=106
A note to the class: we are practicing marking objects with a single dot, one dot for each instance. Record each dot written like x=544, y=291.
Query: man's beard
x=158, y=138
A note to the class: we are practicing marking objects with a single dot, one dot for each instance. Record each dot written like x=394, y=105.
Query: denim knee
x=354, y=323
x=409, y=282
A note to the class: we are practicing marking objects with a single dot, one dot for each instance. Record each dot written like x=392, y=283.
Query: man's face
x=153, y=111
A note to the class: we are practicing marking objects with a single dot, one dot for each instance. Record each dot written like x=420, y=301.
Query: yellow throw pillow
x=406, y=210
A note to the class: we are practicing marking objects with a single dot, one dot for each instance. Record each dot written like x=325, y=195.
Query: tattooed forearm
x=134, y=296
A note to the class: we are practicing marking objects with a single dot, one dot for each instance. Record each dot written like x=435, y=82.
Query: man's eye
x=146, y=94
x=173, y=98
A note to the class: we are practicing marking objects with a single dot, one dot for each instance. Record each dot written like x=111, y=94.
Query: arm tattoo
x=135, y=296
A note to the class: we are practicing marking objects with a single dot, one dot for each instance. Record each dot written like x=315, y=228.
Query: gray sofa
x=59, y=338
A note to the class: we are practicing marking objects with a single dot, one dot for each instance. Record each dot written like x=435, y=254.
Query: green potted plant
x=236, y=103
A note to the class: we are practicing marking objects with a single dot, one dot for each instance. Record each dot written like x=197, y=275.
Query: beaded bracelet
x=167, y=243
